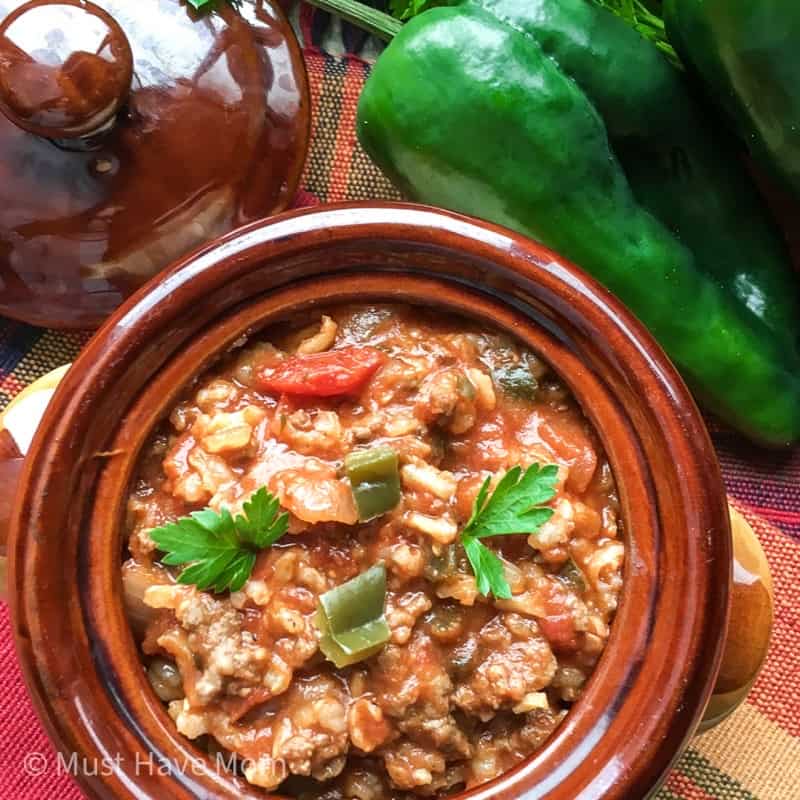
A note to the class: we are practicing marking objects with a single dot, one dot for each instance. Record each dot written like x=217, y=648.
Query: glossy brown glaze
x=213, y=135
x=752, y=605
x=65, y=68
x=10, y=469
x=649, y=690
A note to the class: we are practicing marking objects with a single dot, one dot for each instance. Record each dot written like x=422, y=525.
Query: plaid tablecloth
x=755, y=754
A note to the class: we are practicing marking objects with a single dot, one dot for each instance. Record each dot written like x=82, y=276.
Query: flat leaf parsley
x=515, y=506
x=221, y=551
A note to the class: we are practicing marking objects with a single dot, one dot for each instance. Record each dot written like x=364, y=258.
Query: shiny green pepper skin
x=747, y=53
x=467, y=112
x=679, y=167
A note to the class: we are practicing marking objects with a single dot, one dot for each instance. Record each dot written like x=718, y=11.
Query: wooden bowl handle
x=750, y=625
x=18, y=423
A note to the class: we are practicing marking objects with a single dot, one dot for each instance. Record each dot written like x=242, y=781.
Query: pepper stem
x=368, y=19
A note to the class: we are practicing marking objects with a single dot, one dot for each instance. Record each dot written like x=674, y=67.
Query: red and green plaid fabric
x=754, y=755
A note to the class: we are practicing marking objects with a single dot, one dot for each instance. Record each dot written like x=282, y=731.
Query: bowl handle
x=18, y=423
x=750, y=624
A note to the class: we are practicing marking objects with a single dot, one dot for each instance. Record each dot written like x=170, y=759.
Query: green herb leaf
x=221, y=552
x=645, y=17
x=512, y=508
x=488, y=569
x=261, y=524
x=515, y=506
x=405, y=9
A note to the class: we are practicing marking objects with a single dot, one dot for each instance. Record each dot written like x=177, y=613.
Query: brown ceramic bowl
x=649, y=691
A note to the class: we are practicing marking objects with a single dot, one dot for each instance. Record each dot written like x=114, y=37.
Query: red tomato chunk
x=337, y=372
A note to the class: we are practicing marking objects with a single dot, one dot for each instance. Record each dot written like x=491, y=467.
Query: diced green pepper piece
x=350, y=618
x=356, y=602
x=333, y=652
x=375, y=479
x=572, y=574
x=358, y=640
x=516, y=380
x=442, y=566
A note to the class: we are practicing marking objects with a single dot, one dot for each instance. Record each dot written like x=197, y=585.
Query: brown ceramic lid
x=65, y=68
x=131, y=133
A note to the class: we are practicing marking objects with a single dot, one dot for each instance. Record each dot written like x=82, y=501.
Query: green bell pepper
x=350, y=618
x=374, y=477
x=489, y=113
x=516, y=380
x=747, y=52
x=682, y=170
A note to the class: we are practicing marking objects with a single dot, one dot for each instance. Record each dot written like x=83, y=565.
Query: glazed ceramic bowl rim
x=234, y=258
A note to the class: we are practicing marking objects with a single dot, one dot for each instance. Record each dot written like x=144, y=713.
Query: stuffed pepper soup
x=374, y=552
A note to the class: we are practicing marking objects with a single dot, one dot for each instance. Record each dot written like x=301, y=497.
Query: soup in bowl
x=441, y=498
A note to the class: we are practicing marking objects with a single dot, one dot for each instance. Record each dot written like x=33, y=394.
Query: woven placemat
x=754, y=754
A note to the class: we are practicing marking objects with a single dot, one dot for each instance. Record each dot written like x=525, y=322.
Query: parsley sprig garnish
x=220, y=549
x=515, y=506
